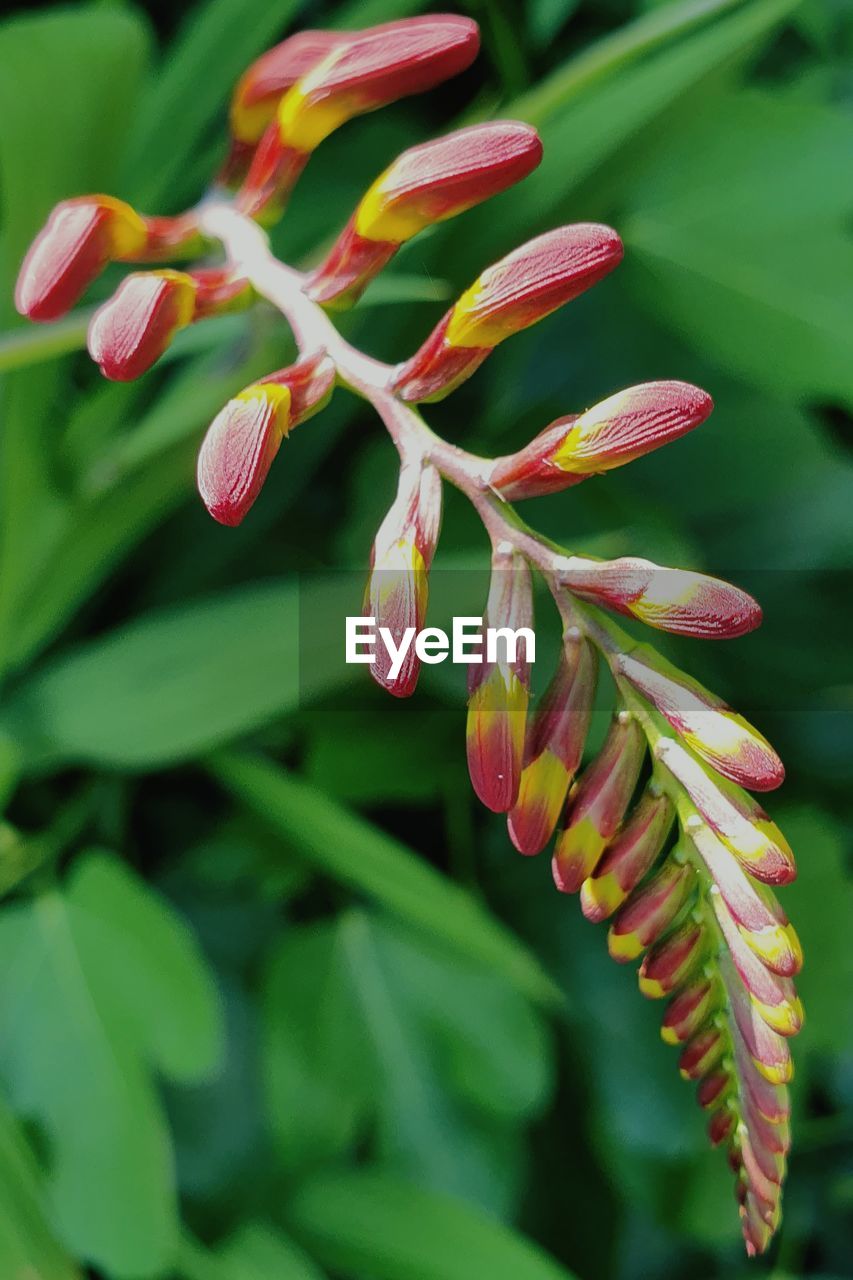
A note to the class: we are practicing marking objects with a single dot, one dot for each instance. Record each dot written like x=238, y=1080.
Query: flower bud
x=712, y=1089
x=649, y=911
x=676, y=600
x=81, y=236
x=710, y=728
x=260, y=88
x=499, y=688
x=513, y=294
x=245, y=436
x=628, y=858
x=554, y=747
x=687, y=1012
x=359, y=73
x=701, y=1053
x=618, y=430
x=768, y=1050
x=734, y=816
x=670, y=961
x=597, y=803
x=396, y=596
x=774, y=997
x=426, y=184
x=131, y=331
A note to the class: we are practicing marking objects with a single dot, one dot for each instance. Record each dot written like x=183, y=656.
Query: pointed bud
x=668, y=963
x=633, y=853
x=131, y=331
x=426, y=184
x=734, y=816
x=769, y=1051
x=81, y=236
x=260, y=89
x=712, y=1089
x=499, y=688
x=598, y=802
x=676, y=600
x=721, y=1126
x=649, y=911
x=701, y=1053
x=554, y=747
x=725, y=740
x=513, y=294
x=775, y=997
x=396, y=597
x=618, y=430
x=245, y=436
x=687, y=1012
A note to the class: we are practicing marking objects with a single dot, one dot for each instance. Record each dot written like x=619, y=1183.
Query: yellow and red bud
x=649, y=911
x=522, y=288
x=669, y=962
x=397, y=590
x=711, y=1090
x=732, y=814
x=597, y=803
x=262, y=86
x=710, y=728
x=358, y=73
x=769, y=1052
x=554, y=747
x=499, y=690
x=758, y=914
x=133, y=329
x=627, y=859
x=721, y=1126
x=701, y=1054
x=425, y=185
x=687, y=1012
x=676, y=600
x=774, y=996
x=619, y=429
x=79, y=239
x=245, y=436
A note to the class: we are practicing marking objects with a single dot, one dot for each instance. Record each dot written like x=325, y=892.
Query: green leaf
x=27, y=1247
x=254, y=1252
x=104, y=984
x=383, y=1227
x=353, y=851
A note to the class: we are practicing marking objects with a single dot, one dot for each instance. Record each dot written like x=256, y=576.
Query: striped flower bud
x=775, y=997
x=554, y=746
x=701, y=1054
x=597, y=803
x=759, y=917
x=688, y=1011
x=676, y=600
x=360, y=73
x=81, y=236
x=245, y=436
x=671, y=960
x=499, y=686
x=627, y=859
x=732, y=814
x=396, y=596
x=770, y=1052
x=619, y=429
x=712, y=1089
x=426, y=184
x=722, y=738
x=510, y=296
x=649, y=911
x=131, y=331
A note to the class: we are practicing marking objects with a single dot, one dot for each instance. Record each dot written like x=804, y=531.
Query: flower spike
x=618, y=430
x=554, y=746
x=245, y=436
x=426, y=184
x=498, y=687
x=360, y=74
x=510, y=296
x=396, y=596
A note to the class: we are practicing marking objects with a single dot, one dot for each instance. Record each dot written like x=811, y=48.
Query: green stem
x=38, y=343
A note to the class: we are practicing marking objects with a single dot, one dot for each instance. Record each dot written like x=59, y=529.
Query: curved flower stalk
x=658, y=833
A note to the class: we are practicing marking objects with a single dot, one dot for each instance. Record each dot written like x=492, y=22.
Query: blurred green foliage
x=279, y=1002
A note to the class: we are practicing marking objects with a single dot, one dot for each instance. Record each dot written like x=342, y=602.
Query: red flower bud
x=81, y=236
x=397, y=590
x=262, y=86
x=245, y=436
x=522, y=288
x=426, y=184
x=619, y=429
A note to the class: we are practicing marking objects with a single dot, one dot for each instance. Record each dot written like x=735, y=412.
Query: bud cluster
x=656, y=832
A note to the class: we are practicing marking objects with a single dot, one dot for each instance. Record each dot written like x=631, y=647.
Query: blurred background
x=278, y=999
